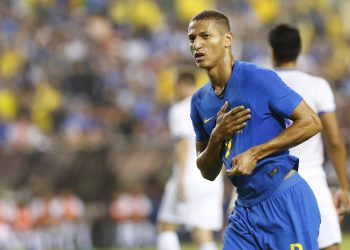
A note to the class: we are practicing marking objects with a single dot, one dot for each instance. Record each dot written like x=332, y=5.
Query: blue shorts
x=288, y=219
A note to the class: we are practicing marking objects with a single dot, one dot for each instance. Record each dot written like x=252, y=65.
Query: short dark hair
x=285, y=42
x=186, y=76
x=213, y=14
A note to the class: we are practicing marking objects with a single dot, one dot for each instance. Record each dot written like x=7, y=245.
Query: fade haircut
x=216, y=15
x=285, y=42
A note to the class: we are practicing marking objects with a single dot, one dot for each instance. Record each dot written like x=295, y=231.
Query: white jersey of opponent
x=181, y=127
x=318, y=95
x=203, y=207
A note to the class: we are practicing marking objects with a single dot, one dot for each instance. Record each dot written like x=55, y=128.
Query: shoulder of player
x=180, y=106
x=175, y=107
x=252, y=70
x=199, y=93
x=315, y=80
x=256, y=76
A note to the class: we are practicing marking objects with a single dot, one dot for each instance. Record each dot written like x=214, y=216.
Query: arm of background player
x=209, y=159
x=337, y=154
x=181, y=159
x=305, y=124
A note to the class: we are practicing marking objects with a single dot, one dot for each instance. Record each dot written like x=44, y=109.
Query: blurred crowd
x=43, y=221
x=83, y=72
x=88, y=74
x=131, y=212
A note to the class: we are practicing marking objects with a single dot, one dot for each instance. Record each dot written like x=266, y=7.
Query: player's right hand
x=228, y=123
x=341, y=202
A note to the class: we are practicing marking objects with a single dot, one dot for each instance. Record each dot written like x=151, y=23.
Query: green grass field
x=346, y=242
x=344, y=246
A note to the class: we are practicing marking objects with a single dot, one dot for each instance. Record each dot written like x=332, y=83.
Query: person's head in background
x=185, y=84
x=285, y=43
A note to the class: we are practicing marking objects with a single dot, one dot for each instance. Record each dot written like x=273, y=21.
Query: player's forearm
x=337, y=155
x=209, y=161
x=181, y=156
x=335, y=146
x=298, y=132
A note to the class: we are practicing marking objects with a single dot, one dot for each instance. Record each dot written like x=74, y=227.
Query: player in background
x=238, y=117
x=188, y=199
x=285, y=45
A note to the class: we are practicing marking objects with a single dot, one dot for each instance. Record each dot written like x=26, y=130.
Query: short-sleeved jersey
x=180, y=127
x=270, y=101
x=319, y=96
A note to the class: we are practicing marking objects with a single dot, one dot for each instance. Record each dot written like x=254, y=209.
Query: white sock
x=209, y=246
x=168, y=240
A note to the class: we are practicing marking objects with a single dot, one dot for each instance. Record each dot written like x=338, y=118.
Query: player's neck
x=188, y=93
x=288, y=65
x=221, y=73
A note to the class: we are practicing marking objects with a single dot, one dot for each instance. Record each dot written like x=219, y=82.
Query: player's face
x=207, y=42
x=179, y=90
x=183, y=90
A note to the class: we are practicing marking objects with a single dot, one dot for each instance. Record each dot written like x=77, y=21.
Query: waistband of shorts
x=287, y=183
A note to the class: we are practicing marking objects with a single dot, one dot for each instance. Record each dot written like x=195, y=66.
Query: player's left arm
x=306, y=124
x=181, y=148
x=337, y=154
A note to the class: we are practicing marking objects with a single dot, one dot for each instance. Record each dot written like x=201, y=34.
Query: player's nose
x=197, y=44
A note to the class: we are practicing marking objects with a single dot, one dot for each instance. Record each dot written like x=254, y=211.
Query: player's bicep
x=303, y=112
x=201, y=146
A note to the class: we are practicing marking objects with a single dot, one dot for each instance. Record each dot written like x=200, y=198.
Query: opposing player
x=285, y=45
x=188, y=199
x=276, y=208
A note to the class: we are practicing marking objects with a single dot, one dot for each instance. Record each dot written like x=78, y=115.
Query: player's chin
x=202, y=65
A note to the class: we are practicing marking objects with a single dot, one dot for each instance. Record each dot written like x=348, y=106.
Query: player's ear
x=228, y=39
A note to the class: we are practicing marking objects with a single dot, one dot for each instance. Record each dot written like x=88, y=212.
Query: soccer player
x=285, y=45
x=188, y=199
x=275, y=209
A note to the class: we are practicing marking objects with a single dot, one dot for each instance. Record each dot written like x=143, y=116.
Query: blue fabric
x=289, y=216
x=270, y=101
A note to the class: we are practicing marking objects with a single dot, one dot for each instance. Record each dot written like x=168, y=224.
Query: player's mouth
x=198, y=56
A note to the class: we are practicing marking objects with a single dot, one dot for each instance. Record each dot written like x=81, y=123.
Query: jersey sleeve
x=198, y=126
x=179, y=127
x=325, y=98
x=270, y=95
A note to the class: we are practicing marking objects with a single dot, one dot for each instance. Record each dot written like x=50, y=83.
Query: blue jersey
x=270, y=101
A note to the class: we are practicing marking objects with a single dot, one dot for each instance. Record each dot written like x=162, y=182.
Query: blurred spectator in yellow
x=47, y=100
x=186, y=9
x=10, y=61
x=140, y=13
x=8, y=104
x=267, y=10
